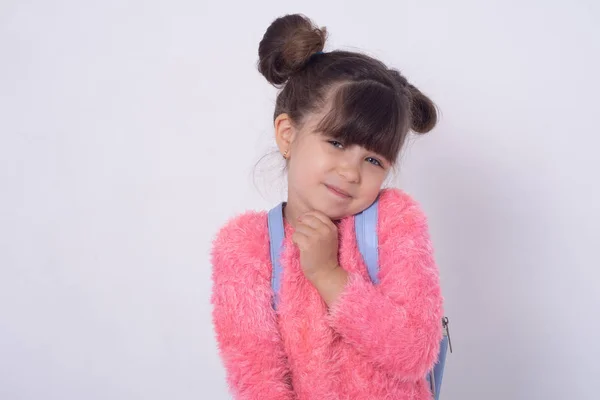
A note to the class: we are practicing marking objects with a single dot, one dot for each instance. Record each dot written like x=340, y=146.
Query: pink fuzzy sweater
x=375, y=342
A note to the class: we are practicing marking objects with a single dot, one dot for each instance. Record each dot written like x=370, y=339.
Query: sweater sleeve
x=244, y=320
x=396, y=324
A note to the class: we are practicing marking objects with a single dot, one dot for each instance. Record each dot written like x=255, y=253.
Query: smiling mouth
x=339, y=192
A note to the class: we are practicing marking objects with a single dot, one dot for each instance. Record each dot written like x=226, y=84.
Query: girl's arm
x=244, y=320
x=396, y=324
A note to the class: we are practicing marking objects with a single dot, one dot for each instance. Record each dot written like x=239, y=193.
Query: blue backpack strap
x=435, y=376
x=276, y=237
x=365, y=227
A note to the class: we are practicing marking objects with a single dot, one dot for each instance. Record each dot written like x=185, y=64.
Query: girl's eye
x=374, y=161
x=337, y=144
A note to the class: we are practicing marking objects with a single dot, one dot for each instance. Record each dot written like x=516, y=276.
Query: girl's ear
x=285, y=133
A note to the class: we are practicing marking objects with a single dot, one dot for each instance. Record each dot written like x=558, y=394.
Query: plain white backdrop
x=129, y=132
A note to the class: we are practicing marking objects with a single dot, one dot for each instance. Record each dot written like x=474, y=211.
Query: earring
x=285, y=153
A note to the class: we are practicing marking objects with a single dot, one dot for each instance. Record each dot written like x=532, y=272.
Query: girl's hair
x=368, y=104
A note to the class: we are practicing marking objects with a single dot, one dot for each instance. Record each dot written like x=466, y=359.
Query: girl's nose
x=349, y=171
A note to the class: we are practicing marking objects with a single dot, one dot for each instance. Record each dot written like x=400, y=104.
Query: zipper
x=446, y=331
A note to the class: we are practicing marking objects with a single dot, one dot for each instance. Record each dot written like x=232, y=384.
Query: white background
x=129, y=131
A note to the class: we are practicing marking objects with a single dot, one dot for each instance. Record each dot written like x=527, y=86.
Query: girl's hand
x=317, y=238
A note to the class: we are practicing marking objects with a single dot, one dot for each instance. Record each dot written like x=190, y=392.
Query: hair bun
x=423, y=111
x=287, y=46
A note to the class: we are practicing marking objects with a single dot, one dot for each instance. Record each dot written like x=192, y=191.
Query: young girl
x=340, y=122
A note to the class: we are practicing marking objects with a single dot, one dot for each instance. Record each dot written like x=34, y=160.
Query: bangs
x=366, y=114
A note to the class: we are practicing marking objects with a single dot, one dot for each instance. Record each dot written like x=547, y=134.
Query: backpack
x=366, y=236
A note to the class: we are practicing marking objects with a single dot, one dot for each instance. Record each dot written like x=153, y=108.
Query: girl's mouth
x=338, y=192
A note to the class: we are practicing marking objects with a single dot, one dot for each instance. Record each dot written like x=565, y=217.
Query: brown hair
x=370, y=105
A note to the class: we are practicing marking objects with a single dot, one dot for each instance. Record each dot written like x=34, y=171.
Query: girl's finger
x=305, y=229
x=322, y=218
x=311, y=221
x=299, y=239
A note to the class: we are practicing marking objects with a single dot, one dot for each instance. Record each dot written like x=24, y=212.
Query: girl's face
x=327, y=176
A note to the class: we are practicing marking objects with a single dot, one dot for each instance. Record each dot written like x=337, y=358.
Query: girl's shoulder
x=393, y=201
x=243, y=240
x=399, y=211
x=244, y=227
x=240, y=250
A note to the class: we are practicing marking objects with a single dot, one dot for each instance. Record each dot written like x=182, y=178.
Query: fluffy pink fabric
x=376, y=342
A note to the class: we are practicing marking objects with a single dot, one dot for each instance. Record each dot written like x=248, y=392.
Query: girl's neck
x=293, y=208
x=290, y=216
